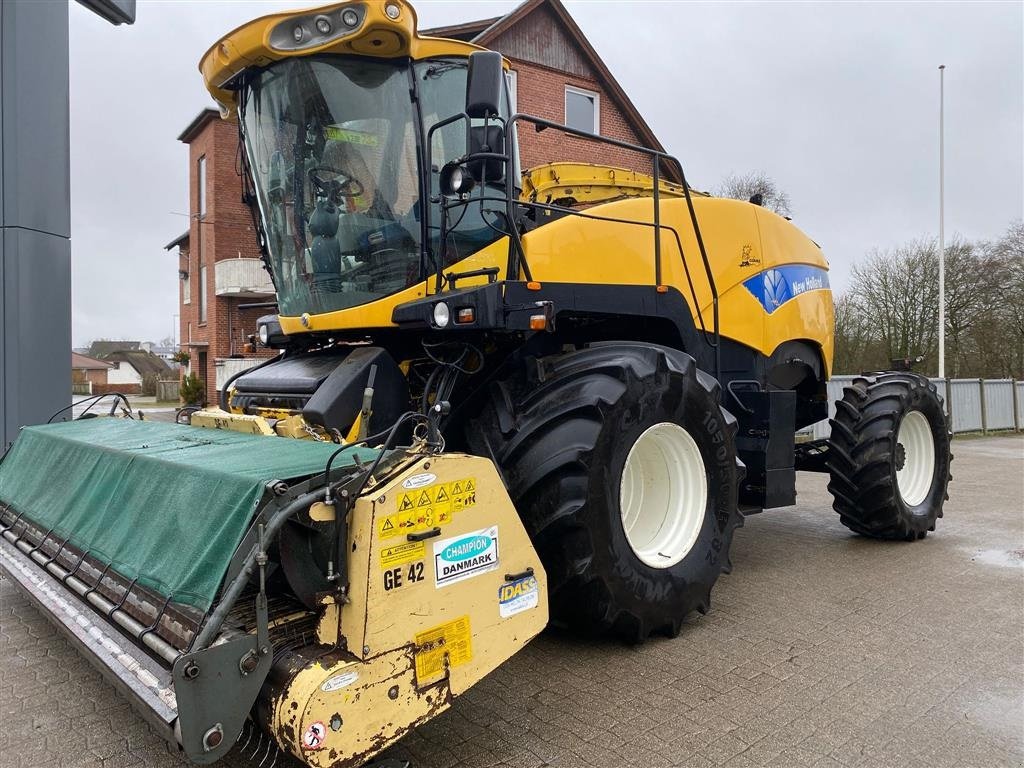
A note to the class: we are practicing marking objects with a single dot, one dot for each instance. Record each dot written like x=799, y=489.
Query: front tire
x=889, y=456
x=623, y=466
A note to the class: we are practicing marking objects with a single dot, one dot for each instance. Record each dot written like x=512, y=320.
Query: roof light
x=350, y=18
x=392, y=10
x=441, y=315
x=323, y=25
x=297, y=33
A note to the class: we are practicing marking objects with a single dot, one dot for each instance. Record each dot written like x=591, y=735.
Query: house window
x=202, y=293
x=513, y=89
x=186, y=289
x=582, y=110
x=202, y=186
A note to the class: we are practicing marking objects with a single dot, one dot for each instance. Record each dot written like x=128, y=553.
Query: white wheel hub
x=915, y=442
x=663, y=495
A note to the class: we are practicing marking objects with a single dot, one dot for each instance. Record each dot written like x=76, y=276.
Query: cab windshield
x=333, y=146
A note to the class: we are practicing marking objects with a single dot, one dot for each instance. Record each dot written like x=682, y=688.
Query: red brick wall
x=124, y=389
x=541, y=93
x=226, y=232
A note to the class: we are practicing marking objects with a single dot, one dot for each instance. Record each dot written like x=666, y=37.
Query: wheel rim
x=915, y=446
x=663, y=494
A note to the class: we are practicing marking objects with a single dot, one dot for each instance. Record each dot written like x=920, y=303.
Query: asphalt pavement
x=821, y=649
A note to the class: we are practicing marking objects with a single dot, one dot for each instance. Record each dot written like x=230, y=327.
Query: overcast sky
x=837, y=102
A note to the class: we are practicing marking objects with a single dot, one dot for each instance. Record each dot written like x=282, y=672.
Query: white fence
x=974, y=405
x=229, y=366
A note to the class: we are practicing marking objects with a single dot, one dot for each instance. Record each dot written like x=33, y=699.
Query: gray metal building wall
x=35, y=225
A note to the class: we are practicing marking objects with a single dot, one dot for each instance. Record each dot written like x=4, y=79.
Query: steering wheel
x=334, y=182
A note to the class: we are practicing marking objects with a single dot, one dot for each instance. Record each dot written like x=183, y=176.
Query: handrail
x=517, y=254
x=634, y=222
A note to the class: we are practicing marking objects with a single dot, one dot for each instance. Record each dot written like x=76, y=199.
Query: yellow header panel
x=381, y=28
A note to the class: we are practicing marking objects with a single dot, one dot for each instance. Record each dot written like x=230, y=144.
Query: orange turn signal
x=538, y=322
x=465, y=315
x=533, y=285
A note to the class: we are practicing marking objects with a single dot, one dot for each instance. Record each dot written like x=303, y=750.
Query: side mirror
x=483, y=84
x=490, y=138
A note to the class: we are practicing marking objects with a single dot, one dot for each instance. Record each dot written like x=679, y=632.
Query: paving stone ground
x=821, y=649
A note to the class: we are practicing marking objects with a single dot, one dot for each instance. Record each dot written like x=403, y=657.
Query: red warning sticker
x=313, y=738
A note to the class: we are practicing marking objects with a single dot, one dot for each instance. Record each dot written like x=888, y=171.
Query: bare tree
x=890, y=310
x=1000, y=337
x=898, y=291
x=756, y=187
x=857, y=348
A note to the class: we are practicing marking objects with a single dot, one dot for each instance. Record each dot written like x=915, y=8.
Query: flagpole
x=942, y=239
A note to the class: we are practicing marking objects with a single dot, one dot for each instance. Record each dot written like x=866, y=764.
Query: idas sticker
x=518, y=596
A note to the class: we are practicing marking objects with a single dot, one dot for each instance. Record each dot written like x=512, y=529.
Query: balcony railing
x=244, y=278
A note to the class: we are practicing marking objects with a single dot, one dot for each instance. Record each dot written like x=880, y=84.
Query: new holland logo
x=465, y=556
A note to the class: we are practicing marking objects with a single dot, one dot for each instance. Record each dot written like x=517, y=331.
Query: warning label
x=447, y=645
x=400, y=554
x=421, y=509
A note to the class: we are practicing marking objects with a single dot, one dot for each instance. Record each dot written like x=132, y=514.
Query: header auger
x=498, y=397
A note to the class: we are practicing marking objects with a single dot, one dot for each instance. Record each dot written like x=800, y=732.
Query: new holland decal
x=774, y=287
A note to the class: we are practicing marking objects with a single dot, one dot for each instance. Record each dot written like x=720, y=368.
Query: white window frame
x=201, y=173
x=512, y=78
x=203, y=303
x=583, y=92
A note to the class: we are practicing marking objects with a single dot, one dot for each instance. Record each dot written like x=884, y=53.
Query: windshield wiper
x=439, y=69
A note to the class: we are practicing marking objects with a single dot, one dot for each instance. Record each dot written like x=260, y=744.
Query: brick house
x=88, y=375
x=556, y=74
x=219, y=264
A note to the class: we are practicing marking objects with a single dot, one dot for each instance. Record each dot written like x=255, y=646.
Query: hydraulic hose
x=227, y=385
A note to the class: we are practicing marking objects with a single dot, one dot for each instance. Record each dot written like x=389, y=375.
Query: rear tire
x=889, y=456
x=579, y=438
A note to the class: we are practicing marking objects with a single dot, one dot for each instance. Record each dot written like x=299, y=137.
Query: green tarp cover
x=164, y=503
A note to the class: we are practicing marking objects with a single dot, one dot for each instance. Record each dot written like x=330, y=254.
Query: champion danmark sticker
x=463, y=557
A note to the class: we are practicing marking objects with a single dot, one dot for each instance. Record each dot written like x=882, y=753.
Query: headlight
x=264, y=333
x=455, y=179
x=441, y=315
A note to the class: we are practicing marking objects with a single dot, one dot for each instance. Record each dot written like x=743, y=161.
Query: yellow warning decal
x=400, y=554
x=452, y=640
x=335, y=133
x=424, y=508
